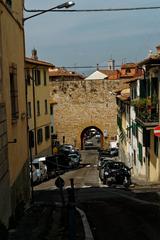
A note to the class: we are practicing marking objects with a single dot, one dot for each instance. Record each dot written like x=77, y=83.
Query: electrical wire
x=76, y=67
x=98, y=10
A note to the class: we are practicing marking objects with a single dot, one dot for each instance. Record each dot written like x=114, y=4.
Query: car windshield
x=36, y=165
x=114, y=165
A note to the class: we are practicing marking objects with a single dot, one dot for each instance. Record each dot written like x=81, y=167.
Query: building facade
x=37, y=79
x=14, y=170
x=144, y=103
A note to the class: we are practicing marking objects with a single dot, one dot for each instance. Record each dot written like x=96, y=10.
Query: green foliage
x=141, y=103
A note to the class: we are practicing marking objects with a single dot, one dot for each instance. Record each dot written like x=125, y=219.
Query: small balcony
x=147, y=118
x=147, y=113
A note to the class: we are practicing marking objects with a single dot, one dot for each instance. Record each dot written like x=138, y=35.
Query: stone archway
x=87, y=129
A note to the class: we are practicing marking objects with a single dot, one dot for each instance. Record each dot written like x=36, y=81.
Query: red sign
x=157, y=131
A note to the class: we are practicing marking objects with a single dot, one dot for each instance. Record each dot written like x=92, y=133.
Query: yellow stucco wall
x=41, y=94
x=154, y=162
x=12, y=52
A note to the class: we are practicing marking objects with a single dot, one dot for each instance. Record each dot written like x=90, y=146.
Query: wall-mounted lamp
x=39, y=12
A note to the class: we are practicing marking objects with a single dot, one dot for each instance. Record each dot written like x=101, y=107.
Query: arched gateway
x=93, y=133
x=79, y=105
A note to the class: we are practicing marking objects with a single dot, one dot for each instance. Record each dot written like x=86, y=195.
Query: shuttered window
x=14, y=92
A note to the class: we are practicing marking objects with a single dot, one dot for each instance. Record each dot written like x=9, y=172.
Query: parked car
x=102, y=167
x=67, y=149
x=41, y=168
x=101, y=160
x=110, y=152
x=117, y=173
x=74, y=160
x=34, y=174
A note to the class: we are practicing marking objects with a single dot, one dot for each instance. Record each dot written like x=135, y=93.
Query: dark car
x=74, y=160
x=117, y=173
x=57, y=164
x=102, y=167
x=110, y=152
x=67, y=149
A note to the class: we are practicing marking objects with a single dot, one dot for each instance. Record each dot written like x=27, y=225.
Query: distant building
x=130, y=70
x=58, y=74
x=101, y=74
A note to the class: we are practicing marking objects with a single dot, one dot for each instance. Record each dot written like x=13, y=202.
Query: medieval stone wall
x=81, y=104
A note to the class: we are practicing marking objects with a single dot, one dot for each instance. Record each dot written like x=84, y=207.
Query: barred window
x=14, y=92
x=39, y=136
x=47, y=133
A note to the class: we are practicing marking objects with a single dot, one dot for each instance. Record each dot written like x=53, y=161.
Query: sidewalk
x=141, y=182
x=42, y=221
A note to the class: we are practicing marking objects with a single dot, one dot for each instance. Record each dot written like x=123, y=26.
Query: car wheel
x=104, y=180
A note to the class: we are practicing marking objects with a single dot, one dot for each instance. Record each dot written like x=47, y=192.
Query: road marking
x=88, y=166
x=87, y=229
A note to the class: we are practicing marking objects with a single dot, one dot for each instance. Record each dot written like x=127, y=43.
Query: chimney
x=34, y=54
x=158, y=49
x=97, y=66
x=111, y=64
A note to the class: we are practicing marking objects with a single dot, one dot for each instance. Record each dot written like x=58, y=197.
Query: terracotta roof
x=57, y=72
x=129, y=65
x=152, y=59
x=38, y=62
x=108, y=72
x=135, y=79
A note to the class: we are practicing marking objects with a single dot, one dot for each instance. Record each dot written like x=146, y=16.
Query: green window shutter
x=140, y=152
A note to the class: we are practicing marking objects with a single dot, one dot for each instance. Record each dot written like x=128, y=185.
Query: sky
x=91, y=38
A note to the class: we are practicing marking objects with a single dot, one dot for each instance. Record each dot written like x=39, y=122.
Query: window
x=51, y=129
x=38, y=108
x=51, y=109
x=47, y=133
x=36, y=76
x=45, y=77
x=140, y=152
x=39, y=136
x=29, y=110
x=128, y=70
x=46, y=107
x=14, y=91
x=9, y=3
x=28, y=77
x=156, y=146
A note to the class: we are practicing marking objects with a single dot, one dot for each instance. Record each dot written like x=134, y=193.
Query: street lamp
x=63, y=5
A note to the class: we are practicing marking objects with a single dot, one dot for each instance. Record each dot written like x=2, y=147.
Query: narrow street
x=111, y=213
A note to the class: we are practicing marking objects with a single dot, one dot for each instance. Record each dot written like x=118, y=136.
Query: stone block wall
x=80, y=104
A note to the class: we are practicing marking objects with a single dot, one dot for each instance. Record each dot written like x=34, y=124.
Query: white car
x=41, y=168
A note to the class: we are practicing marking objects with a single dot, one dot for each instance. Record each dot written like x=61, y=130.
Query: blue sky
x=76, y=39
